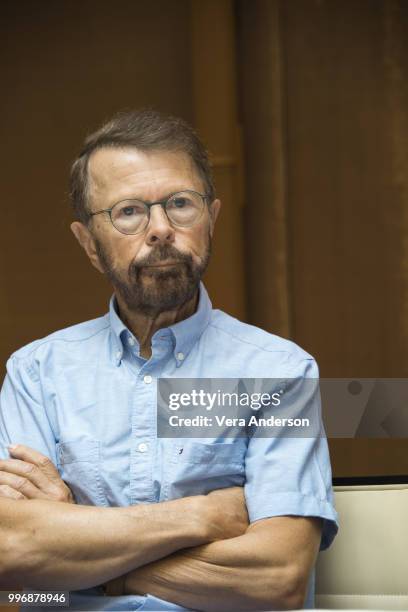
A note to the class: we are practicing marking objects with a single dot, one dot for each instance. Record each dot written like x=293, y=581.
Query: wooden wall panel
x=330, y=86
x=263, y=114
x=216, y=118
x=66, y=66
x=346, y=204
x=347, y=69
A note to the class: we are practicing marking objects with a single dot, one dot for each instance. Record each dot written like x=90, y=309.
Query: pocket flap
x=78, y=450
x=211, y=454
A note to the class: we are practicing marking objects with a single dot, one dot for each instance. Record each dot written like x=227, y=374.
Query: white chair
x=367, y=565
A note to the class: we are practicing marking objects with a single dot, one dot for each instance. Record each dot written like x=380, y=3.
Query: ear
x=87, y=242
x=214, y=210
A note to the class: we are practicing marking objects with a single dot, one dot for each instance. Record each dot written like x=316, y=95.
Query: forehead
x=116, y=174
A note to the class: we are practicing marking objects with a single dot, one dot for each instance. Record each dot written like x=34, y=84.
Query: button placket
x=143, y=432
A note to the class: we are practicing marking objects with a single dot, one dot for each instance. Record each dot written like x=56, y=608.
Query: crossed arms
x=198, y=552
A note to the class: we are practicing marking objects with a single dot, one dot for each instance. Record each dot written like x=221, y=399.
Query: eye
x=128, y=211
x=181, y=202
x=184, y=208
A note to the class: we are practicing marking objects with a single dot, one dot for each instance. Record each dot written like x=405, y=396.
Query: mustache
x=160, y=253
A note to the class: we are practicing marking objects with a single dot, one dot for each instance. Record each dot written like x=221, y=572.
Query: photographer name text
x=223, y=421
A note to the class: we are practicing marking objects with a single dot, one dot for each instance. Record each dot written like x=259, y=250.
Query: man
x=213, y=524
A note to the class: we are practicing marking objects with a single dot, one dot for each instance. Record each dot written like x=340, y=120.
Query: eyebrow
x=164, y=198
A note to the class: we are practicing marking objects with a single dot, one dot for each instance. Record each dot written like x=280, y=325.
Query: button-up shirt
x=85, y=397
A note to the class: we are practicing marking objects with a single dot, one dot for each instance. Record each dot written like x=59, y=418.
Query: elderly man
x=128, y=520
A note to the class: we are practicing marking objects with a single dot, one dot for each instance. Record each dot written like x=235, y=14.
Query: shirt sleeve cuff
x=295, y=504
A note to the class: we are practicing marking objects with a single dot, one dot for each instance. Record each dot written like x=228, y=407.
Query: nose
x=159, y=228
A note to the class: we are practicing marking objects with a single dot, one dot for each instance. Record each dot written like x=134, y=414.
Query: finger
x=44, y=463
x=6, y=491
x=22, y=485
x=29, y=471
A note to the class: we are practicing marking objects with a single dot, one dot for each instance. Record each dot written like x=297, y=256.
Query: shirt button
x=143, y=447
x=118, y=355
x=147, y=379
x=180, y=356
x=131, y=341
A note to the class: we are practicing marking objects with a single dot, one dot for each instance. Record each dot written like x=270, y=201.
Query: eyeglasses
x=183, y=209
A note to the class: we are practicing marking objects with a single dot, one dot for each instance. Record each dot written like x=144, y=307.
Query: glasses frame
x=148, y=206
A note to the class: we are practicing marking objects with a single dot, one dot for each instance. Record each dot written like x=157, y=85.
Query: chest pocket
x=196, y=468
x=80, y=467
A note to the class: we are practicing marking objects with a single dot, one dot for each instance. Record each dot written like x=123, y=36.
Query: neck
x=144, y=327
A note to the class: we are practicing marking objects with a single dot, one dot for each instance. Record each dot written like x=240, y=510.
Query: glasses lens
x=129, y=216
x=184, y=208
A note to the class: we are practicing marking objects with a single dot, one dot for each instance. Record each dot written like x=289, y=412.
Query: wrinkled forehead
x=114, y=173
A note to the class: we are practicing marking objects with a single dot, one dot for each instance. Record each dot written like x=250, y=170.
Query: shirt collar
x=186, y=333
x=119, y=331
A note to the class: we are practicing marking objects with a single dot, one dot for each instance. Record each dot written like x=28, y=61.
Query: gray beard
x=150, y=291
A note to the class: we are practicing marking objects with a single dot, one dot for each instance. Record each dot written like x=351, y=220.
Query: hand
x=31, y=475
x=228, y=516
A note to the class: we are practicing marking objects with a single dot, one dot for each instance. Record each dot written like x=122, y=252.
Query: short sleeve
x=23, y=418
x=290, y=474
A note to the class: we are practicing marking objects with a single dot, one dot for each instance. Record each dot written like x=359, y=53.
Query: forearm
x=190, y=580
x=55, y=545
x=266, y=568
x=237, y=574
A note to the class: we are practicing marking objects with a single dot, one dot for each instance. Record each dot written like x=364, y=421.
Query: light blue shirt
x=85, y=398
